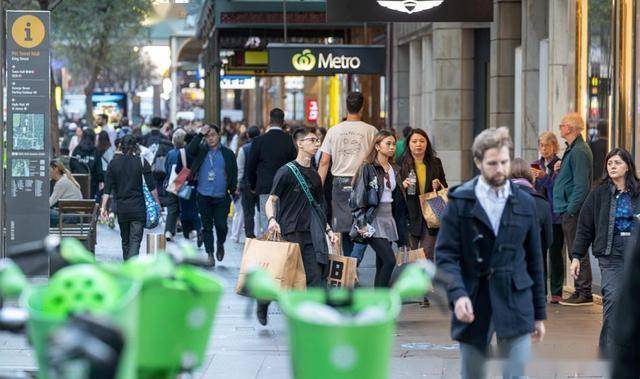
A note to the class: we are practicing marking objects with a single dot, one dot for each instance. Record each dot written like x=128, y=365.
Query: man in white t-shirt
x=343, y=150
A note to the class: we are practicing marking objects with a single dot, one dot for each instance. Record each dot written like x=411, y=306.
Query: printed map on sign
x=28, y=131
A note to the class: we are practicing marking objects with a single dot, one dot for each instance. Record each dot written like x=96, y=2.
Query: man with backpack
x=297, y=189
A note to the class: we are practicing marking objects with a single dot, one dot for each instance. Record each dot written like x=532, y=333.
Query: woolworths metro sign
x=326, y=60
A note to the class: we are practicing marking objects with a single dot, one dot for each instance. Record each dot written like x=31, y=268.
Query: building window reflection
x=599, y=80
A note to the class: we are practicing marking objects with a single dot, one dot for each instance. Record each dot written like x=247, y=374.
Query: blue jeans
x=516, y=351
x=358, y=251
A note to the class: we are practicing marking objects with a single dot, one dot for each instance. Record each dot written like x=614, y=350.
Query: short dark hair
x=104, y=117
x=276, y=117
x=302, y=131
x=215, y=127
x=253, y=132
x=355, y=101
x=156, y=122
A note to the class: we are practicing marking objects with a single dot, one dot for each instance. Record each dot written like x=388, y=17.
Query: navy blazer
x=502, y=275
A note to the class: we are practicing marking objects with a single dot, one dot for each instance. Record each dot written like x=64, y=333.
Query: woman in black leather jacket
x=606, y=221
x=378, y=205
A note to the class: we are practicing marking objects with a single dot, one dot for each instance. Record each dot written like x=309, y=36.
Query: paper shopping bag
x=281, y=259
x=405, y=256
x=433, y=205
x=342, y=271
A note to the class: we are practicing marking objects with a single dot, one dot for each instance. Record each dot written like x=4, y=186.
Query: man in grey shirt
x=343, y=150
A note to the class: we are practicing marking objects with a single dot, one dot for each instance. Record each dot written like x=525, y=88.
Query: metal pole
x=389, y=78
x=2, y=181
x=284, y=15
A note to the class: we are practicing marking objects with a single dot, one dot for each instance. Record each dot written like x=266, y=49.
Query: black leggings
x=385, y=261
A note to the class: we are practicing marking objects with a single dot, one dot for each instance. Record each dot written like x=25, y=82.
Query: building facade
x=537, y=60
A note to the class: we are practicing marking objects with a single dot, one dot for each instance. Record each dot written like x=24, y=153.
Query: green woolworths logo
x=304, y=61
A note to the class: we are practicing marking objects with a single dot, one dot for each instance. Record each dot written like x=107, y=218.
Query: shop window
x=599, y=81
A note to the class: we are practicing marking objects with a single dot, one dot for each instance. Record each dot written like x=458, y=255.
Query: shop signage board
x=302, y=59
x=409, y=10
x=28, y=131
x=237, y=82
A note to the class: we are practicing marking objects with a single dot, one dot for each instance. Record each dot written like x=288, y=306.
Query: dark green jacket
x=196, y=153
x=574, y=179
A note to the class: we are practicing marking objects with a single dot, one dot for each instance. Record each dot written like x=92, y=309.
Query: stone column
x=428, y=82
x=452, y=130
x=534, y=29
x=400, y=85
x=562, y=58
x=505, y=37
x=415, y=83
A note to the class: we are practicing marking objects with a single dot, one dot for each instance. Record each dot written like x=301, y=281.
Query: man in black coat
x=489, y=244
x=215, y=168
x=626, y=340
x=268, y=153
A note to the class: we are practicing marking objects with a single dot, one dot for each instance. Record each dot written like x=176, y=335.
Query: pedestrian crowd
x=501, y=239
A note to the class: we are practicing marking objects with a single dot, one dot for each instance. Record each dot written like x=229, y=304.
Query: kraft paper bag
x=281, y=259
x=342, y=271
x=433, y=205
x=405, y=256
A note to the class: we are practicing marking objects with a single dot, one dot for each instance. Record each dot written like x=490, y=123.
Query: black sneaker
x=200, y=239
x=220, y=252
x=577, y=300
x=261, y=312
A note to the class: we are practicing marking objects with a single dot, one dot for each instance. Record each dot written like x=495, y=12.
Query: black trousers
x=556, y=261
x=315, y=272
x=131, y=233
x=173, y=211
x=214, y=212
x=249, y=201
x=385, y=261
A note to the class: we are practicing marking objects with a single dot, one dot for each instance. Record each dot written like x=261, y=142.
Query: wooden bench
x=85, y=184
x=77, y=219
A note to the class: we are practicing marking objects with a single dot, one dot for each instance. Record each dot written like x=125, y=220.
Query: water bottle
x=412, y=186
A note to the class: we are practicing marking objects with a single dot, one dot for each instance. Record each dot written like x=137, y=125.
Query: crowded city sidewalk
x=241, y=348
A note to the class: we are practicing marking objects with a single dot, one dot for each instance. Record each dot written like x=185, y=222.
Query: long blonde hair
x=57, y=165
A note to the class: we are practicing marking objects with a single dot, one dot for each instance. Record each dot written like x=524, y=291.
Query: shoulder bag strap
x=303, y=183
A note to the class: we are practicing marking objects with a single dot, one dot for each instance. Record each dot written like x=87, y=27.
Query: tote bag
x=433, y=205
x=176, y=181
x=152, y=208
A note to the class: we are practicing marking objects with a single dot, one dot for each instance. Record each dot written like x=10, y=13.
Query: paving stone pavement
x=241, y=348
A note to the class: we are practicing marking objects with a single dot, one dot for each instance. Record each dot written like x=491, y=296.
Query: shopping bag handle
x=271, y=236
x=439, y=184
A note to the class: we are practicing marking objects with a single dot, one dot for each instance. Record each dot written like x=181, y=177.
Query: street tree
x=91, y=35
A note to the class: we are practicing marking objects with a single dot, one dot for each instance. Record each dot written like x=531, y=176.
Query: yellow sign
x=28, y=31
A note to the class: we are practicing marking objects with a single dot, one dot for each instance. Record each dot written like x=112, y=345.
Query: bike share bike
x=342, y=333
x=149, y=317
